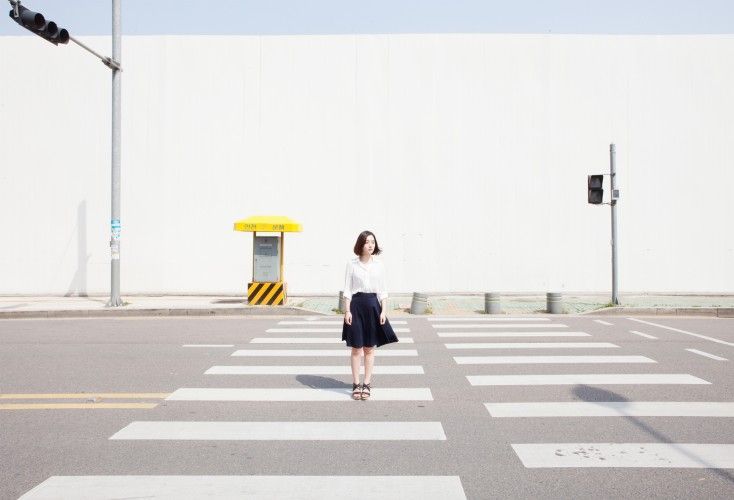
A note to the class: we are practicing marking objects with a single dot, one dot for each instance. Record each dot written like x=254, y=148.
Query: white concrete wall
x=467, y=155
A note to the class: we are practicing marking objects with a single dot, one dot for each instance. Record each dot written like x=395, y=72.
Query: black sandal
x=356, y=392
x=365, y=391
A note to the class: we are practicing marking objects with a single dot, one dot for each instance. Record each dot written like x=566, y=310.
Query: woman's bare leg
x=369, y=362
x=356, y=353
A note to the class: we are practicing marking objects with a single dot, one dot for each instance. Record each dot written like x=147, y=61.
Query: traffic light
x=596, y=193
x=36, y=23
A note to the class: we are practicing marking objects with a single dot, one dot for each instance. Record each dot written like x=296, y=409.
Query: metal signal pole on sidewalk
x=115, y=227
x=613, y=203
x=36, y=23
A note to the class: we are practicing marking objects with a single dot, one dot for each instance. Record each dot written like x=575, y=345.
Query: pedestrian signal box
x=267, y=286
x=595, y=185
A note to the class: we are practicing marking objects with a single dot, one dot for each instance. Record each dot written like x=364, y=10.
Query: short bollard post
x=342, y=305
x=554, y=301
x=492, y=303
x=419, y=303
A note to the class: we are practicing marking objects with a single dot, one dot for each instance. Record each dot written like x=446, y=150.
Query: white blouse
x=367, y=278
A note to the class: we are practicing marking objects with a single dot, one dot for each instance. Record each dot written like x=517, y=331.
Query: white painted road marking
x=250, y=487
x=487, y=319
x=602, y=322
x=311, y=370
x=658, y=455
x=310, y=340
x=512, y=334
x=532, y=345
x=706, y=354
x=208, y=345
x=612, y=409
x=305, y=394
x=586, y=378
x=646, y=335
x=321, y=330
x=282, y=431
x=730, y=344
x=512, y=360
x=443, y=325
x=319, y=352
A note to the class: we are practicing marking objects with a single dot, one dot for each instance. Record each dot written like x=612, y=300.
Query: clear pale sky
x=275, y=17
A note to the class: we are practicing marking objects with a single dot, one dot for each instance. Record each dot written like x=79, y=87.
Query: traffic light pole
x=115, y=227
x=37, y=24
x=613, y=203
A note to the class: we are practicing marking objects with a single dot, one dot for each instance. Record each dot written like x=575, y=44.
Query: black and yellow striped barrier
x=268, y=294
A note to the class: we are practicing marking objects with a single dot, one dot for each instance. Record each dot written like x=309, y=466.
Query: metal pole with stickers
x=268, y=286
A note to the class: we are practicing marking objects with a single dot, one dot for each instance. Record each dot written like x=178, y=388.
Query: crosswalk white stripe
x=519, y=360
x=707, y=355
x=646, y=335
x=250, y=487
x=586, y=378
x=533, y=345
x=442, y=325
x=612, y=409
x=511, y=334
x=311, y=370
x=602, y=322
x=300, y=394
x=448, y=319
x=705, y=337
x=658, y=455
x=332, y=322
x=310, y=340
x=282, y=431
x=321, y=330
x=319, y=352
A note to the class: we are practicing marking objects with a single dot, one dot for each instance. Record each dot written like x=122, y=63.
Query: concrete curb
x=162, y=312
x=712, y=312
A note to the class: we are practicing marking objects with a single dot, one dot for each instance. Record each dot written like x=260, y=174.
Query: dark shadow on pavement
x=598, y=395
x=318, y=382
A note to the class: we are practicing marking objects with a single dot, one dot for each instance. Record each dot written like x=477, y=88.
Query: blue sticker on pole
x=115, y=229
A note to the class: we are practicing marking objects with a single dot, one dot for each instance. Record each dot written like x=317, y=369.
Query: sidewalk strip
x=730, y=344
x=588, y=379
x=512, y=334
x=311, y=370
x=252, y=487
x=332, y=322
x=319, y=352
x=532, y=345
x=657, y=455
x=706, y=354
x=310, y=340
x=77, y=406
x=306, y=394
x=532, y=360
x=612, y=409
x=89, y=395
x=208, y=345
x=282, y=431
x=602, y=322
x=646, y=335
x=469, y=318
x=320, y=330
x=478, y=325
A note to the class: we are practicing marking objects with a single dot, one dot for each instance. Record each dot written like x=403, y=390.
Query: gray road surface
x=143, y=361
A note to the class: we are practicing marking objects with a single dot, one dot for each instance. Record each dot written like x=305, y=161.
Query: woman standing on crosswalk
x=365, y=299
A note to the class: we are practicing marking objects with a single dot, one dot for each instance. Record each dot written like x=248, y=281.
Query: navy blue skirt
x=366, y=329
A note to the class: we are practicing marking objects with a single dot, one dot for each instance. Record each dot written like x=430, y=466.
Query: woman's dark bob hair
x=362, y=239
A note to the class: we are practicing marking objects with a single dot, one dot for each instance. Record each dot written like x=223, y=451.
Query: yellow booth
x=267, y=286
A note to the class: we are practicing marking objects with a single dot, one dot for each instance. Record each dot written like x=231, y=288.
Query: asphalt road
x=448, y=439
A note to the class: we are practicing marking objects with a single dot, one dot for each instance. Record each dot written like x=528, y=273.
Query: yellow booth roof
x=268, y=223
